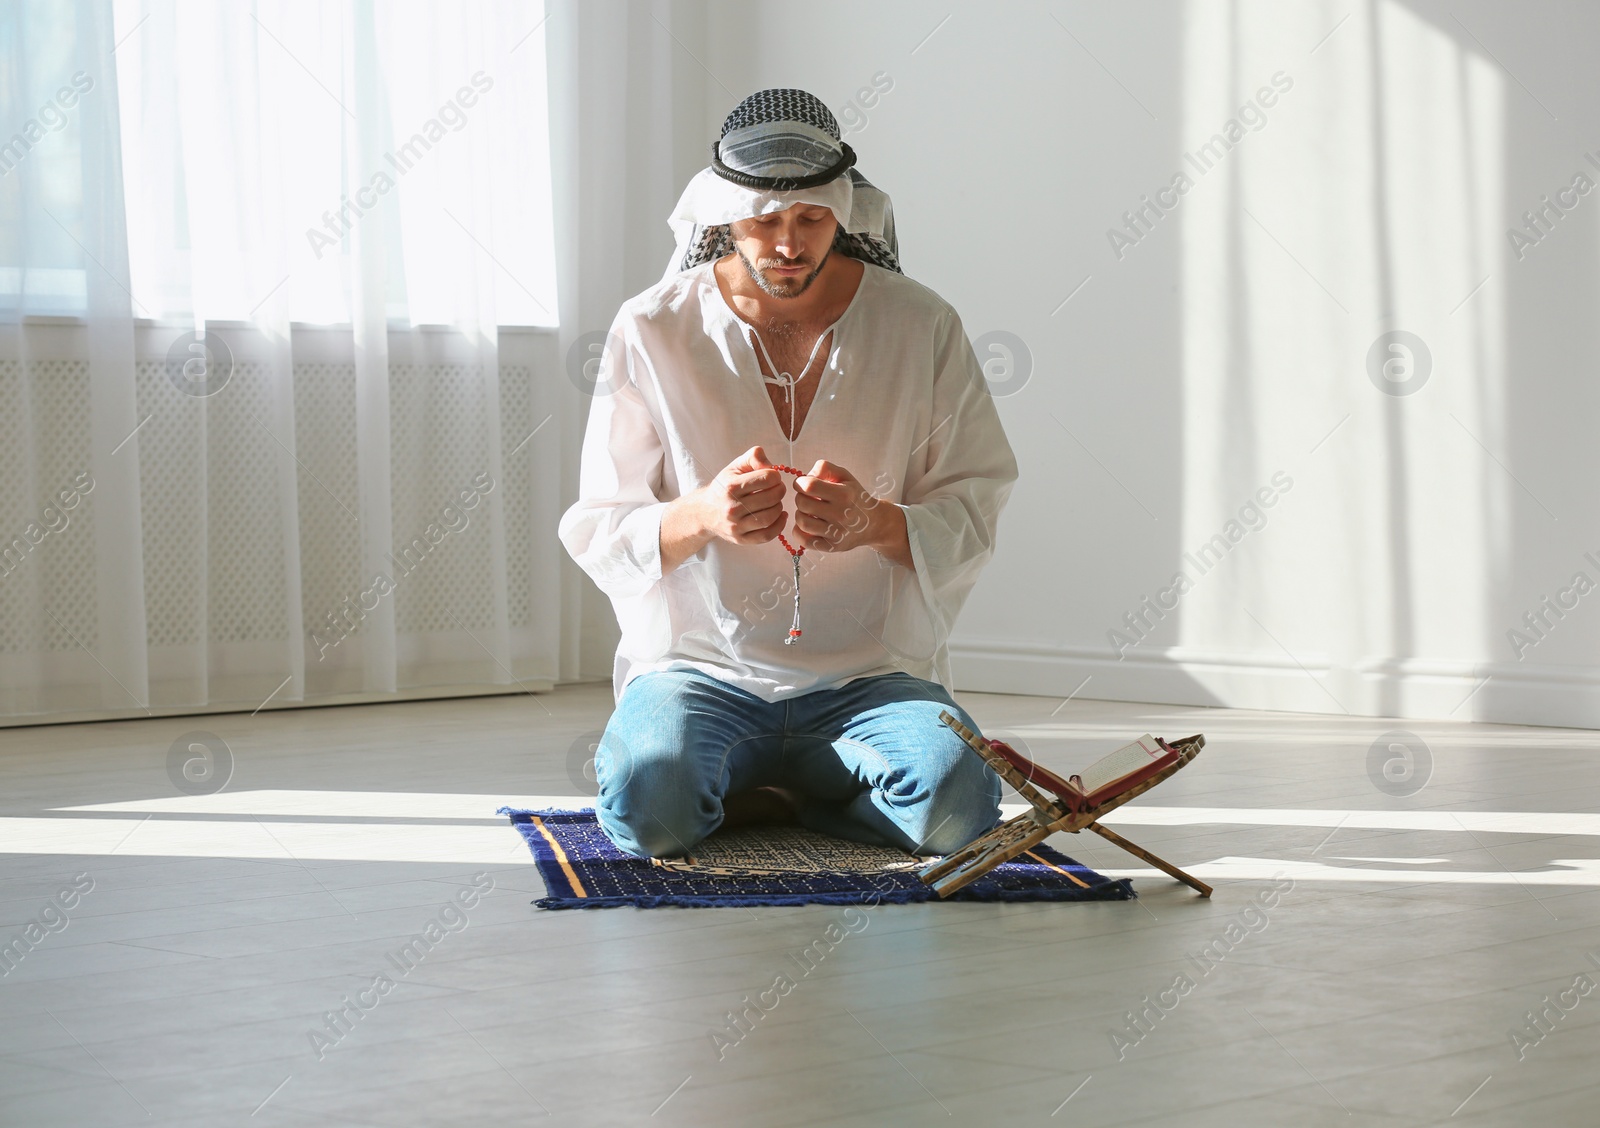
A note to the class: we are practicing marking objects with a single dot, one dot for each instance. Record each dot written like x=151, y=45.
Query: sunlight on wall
x=1343, y=184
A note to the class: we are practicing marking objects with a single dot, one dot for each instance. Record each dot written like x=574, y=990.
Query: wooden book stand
x=1047, y=815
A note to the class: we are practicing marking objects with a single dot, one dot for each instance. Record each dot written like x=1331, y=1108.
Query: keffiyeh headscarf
x=780, y=148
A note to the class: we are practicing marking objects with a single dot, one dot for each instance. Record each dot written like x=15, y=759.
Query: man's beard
x=786, y=288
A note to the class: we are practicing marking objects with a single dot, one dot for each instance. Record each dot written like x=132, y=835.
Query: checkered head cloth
x=781, y=147
x=780, y=140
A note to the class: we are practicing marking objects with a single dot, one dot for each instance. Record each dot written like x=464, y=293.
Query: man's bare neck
x=824, y=300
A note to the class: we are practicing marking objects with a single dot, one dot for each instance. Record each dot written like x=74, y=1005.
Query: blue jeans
x=870, y=758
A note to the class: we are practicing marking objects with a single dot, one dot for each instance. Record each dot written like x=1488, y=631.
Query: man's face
x=785, y=251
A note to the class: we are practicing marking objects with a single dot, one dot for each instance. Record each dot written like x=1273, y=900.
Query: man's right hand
x=743, y=504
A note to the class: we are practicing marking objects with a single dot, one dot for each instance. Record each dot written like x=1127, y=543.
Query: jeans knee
x=961, y=800
x=654, y=806
x=958, y=827
x=953, y=768
x=959, y=764
x=644, y=834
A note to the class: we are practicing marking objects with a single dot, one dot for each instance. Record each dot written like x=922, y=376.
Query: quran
x=1073, y=804
x=1108, y=777
x=1122, y=770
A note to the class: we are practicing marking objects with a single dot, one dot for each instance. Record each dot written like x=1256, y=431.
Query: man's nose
x=788, y=243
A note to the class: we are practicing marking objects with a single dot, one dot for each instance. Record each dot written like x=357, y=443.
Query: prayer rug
x=774, y=865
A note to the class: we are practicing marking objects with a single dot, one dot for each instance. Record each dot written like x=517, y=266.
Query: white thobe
x=902, y=404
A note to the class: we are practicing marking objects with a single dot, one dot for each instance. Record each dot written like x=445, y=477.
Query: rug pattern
x=583, y=869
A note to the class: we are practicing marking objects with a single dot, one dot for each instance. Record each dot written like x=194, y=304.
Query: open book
x=1071, y=805
x=1101, y=781
x=1122, y=770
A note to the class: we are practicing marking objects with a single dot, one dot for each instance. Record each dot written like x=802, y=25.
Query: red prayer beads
x=795, y=553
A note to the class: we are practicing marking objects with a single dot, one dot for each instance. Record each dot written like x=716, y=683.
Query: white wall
x=1230, y=344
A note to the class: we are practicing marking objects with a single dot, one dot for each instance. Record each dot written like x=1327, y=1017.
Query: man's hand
x=834, y=512
x=743, y=504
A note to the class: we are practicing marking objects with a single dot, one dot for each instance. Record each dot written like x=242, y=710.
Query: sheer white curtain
x=273, y=427
x=638, y=89
x=265, y=432
x=71, y=567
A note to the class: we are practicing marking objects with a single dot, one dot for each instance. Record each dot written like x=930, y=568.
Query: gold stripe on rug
x=566, y=867
x=1058, y=869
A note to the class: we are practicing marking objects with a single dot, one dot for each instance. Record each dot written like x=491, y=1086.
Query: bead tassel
x=794, y=555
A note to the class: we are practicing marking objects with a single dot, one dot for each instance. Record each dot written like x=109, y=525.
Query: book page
x=1121, y=763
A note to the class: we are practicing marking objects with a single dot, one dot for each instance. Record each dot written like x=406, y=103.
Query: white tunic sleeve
x=957, y=488
x=613, y=531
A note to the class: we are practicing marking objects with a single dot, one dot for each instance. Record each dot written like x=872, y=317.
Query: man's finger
x=754, y=482
x=822, y=489
x=759, y=502
x=753, y=459
x=758, y=481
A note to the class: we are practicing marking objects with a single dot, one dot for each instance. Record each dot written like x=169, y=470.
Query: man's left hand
x=834, y=512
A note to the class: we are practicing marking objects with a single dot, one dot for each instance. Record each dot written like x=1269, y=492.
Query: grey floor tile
x=1386, y=982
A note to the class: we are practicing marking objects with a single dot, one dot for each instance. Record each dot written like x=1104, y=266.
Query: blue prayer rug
x=774, y=865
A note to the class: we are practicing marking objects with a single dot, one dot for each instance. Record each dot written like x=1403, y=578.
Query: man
x=784, y=329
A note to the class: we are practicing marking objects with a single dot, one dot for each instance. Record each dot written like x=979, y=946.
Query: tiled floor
x=1415, y=934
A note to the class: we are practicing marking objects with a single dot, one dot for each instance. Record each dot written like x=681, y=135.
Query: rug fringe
x=890, y=897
